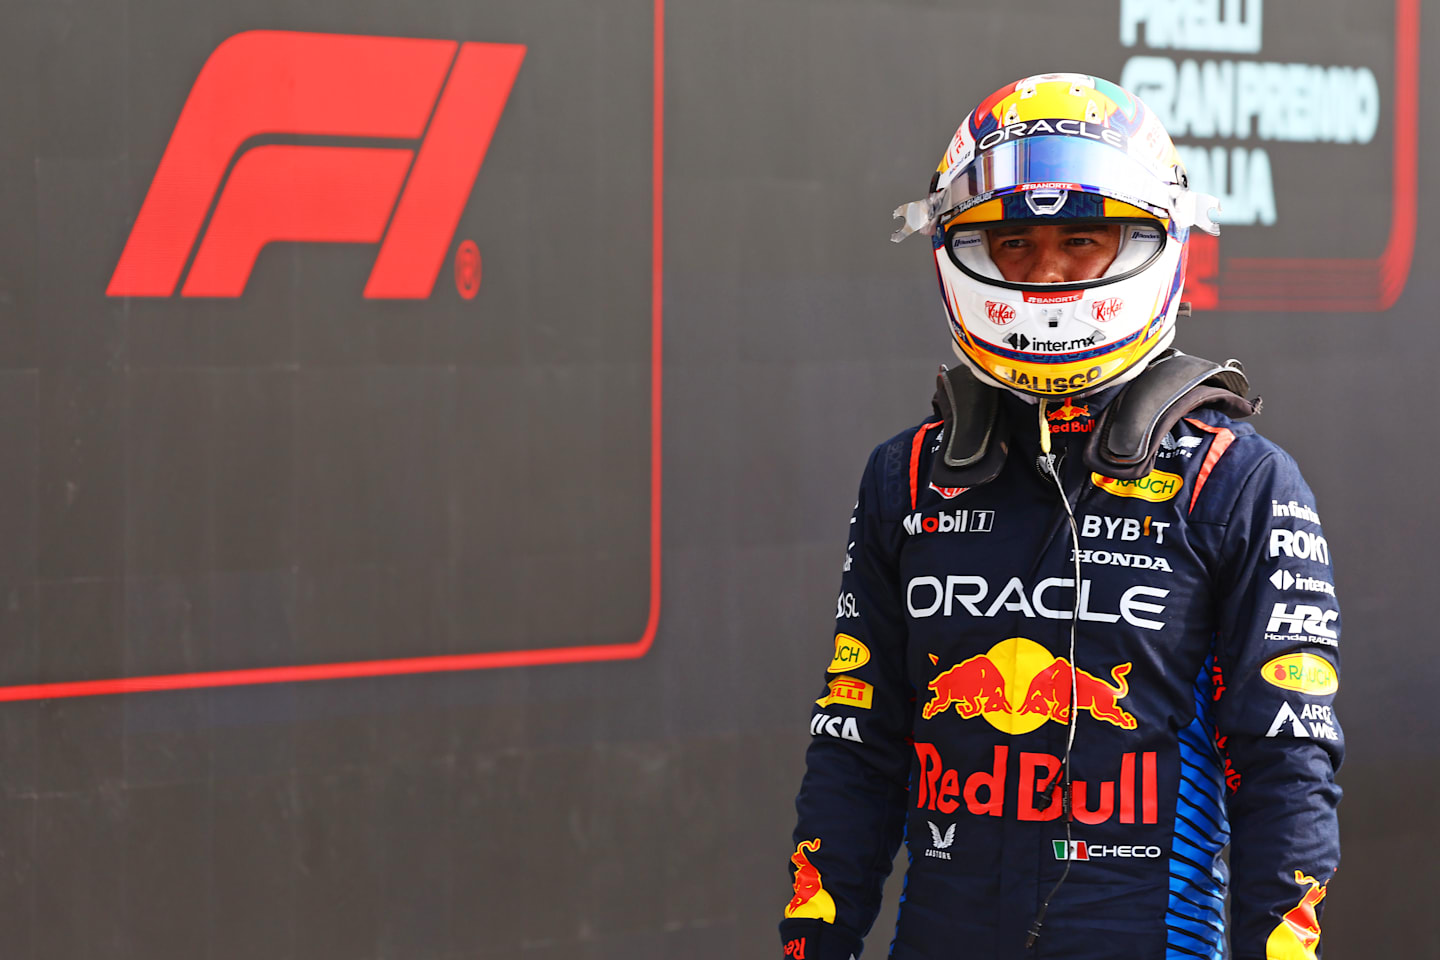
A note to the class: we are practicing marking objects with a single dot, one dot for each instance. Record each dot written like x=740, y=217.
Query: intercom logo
x=444, y=97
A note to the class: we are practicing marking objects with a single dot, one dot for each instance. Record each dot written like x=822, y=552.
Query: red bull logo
x=1070, y=418
x=1298, y=933
x=1134, y=793
x=810, y=898
x=1068, y=411
x=1018, y=685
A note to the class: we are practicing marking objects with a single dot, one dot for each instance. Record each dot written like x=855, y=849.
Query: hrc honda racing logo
x=929, y=596
x=437, y=101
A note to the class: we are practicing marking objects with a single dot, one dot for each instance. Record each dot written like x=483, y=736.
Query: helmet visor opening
x=1140, y=242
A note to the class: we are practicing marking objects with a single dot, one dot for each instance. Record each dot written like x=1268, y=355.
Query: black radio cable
x=1046, y=465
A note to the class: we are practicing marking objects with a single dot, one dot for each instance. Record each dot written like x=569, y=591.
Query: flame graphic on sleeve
x=810, y=898
x=1298, y=932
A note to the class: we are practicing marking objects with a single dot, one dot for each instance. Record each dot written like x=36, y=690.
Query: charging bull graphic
x=972, y=686
x=1068, y=411
x=1049, y=694
x=810, y=898
x=1299, y=931
x=1018, y=685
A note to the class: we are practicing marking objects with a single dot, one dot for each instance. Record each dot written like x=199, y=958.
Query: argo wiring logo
x=444, y=97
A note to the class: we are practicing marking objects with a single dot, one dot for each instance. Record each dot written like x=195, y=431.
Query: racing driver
x=1067, y=763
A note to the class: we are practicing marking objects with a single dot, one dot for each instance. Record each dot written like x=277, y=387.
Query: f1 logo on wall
x=445, y=95
x=313, y=186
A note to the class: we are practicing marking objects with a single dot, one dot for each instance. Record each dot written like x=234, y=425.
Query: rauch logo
x=448, y=96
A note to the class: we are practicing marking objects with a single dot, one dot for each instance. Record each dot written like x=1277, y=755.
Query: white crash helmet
x=1060, y=149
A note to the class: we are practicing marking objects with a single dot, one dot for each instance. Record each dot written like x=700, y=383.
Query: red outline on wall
x=468, y=661
x=1349, y=285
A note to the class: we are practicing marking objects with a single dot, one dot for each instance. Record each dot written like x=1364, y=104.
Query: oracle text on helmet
x=1035, y=128
x=928, y=596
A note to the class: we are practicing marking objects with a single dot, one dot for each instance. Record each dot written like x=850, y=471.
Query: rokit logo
x=1299, y=545
x=957, y=521
x=928, y=596
x=1303, y=618
x=1285, y=580
x=444, y=98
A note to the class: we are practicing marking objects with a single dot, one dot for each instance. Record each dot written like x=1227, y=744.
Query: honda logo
x=445, y=97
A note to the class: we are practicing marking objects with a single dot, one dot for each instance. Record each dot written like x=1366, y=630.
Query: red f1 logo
x=270, y=82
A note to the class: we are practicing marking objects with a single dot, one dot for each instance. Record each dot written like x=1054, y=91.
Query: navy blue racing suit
x=1205, y=667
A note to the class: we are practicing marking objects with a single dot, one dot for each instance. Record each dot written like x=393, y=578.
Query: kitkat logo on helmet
x=438, y=99
x=1103, y=311
x=999, y=313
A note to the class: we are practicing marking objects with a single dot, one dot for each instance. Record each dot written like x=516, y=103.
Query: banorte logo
x=810, y=898
x=444, y=97
x=989, y=685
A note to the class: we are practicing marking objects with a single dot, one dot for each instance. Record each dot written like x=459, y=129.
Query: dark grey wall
x=300, y=476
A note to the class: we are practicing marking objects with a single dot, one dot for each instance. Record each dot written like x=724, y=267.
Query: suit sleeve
x=851, y=805
x=1278, y=656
